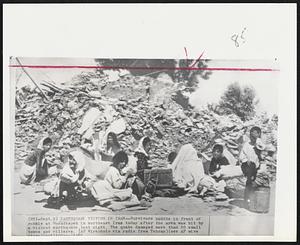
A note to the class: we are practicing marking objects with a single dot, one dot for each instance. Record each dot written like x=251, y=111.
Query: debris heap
x=145, y=104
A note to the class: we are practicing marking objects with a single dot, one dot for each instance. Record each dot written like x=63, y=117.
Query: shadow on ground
x=238, y=202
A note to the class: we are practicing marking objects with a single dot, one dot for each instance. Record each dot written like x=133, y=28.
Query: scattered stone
x=132, y=109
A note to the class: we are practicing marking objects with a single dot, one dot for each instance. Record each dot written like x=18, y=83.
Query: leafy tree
x=188, y=78
x=239, y=101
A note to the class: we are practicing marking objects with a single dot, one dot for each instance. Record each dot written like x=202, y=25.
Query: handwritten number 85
x=235, y=38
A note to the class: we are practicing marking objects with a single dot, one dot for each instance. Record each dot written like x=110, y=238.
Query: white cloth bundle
x=229, y=171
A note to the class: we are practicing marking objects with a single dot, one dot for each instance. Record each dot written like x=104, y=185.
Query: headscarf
x=103, y=139
x=219, y=142
x=187, y=153
x=187, y=167
x=28, y=173
x=259, y=144
x=270, y=148
x=141, y=148
x=40, y=147
x=115, y=139
x=79, y=158
x=41, y=142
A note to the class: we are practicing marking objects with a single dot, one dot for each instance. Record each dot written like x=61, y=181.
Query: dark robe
x=36, y=158
x=216, y=164
x=142, y=164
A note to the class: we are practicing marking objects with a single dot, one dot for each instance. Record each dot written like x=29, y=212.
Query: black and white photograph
x=144, y=137
x=149, y=122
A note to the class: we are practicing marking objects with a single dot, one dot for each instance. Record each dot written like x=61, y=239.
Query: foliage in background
x=239, y=101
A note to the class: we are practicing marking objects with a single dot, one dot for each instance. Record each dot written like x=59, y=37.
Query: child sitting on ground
x=218, y=159
x=114, y=175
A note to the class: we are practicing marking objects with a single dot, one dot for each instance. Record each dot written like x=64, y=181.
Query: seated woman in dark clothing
x=141, y=153
x=218, y=159
x=35, y=167
x=137, y=182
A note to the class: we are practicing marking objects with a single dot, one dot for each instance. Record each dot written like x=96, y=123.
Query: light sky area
x=209, y=91
x=56, y=75
x=264, y=83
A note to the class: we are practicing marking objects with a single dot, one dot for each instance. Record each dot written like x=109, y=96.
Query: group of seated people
x=112, y=176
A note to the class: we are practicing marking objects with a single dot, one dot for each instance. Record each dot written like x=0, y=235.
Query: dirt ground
x=29, y=200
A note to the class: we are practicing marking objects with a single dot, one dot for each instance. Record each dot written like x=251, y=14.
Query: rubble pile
x=145, y=104
x=59, y=117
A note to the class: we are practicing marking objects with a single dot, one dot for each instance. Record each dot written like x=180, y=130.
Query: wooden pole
x=44, y=95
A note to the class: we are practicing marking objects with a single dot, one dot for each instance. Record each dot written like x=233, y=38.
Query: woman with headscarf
x=73, y=180
x=188, y=173
x=111, y=147
x=142, y=155
x=72, y=174
x=35, y=167
x=187, y=169
x=136, y=169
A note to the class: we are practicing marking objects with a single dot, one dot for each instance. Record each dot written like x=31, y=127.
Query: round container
x=260, y=200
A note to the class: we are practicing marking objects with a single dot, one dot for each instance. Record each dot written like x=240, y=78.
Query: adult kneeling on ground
x=35, y=167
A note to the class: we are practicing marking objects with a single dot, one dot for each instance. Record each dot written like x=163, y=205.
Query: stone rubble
x=145, y=105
